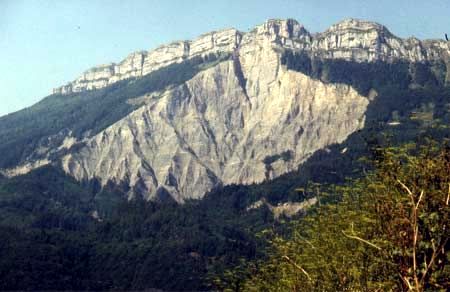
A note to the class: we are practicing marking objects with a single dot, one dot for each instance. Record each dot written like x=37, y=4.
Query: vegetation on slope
x=390, y=231
x=53, y=241
x=86, y=112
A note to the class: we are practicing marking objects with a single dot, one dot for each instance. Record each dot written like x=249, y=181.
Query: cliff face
x=363, y=41
x=142, y=63
x=243, y=120
x=351, y=39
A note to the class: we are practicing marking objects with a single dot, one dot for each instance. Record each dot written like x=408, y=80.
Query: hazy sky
x=44, y=44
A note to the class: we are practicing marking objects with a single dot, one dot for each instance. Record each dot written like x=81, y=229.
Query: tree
x=389, y=232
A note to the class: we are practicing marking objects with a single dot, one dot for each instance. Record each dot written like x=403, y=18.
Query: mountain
x=226, y=108
x=351, y=39
x=166, y=170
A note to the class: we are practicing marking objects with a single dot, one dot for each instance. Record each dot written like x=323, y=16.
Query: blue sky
x=44, y=44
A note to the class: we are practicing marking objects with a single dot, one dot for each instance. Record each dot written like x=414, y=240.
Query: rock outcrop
x=286, y=209
x=362, y=41
x=242, y=121
x=142, y=63
x=351, y=39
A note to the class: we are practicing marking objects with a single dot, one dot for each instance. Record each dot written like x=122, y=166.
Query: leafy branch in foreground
x=389, y=232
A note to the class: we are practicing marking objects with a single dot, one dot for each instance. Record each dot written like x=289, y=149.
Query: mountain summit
x=351, y=39
x=226, y=108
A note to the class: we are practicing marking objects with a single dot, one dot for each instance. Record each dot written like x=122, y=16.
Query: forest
x=381, y=222
x=388, y=231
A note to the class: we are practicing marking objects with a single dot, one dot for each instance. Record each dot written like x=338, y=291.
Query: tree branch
x=433, y=258
x=362, y=240
x=297, y=266
x=405, y=187
x=407, y=282
x=420, y=198
x=448, y=195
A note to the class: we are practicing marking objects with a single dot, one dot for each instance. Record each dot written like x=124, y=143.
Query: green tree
x=389, y=232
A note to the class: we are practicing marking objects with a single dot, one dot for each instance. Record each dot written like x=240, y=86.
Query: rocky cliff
x=212, y=131
x=243, y=120
x=142, y=63
x=351, y=39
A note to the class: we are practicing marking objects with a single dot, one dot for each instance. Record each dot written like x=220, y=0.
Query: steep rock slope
x=242, y=121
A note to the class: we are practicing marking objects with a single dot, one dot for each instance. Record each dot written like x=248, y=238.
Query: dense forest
x=389, y=230
x=60, y=234
x=52, y=240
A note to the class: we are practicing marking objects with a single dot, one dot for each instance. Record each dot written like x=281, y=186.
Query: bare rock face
x=241, y=121
x=351, y=39
x=141, y=63
x=244, y=120
x=362, y=41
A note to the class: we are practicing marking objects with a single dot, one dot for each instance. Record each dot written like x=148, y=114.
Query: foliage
x=46, y=198
x=389, y=232
x=52, y=241
x=365, y=76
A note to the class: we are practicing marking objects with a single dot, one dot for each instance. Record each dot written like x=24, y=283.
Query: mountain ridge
x=378, y=43
x=182, y=179
x=241, y=116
